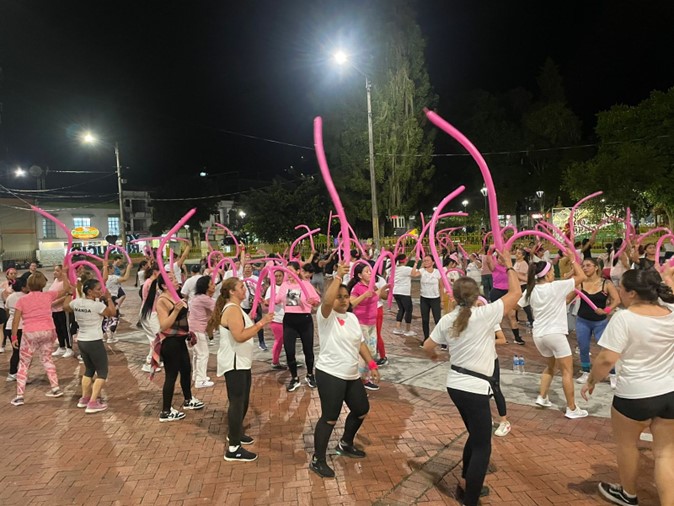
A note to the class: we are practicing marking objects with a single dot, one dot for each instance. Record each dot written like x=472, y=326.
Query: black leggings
x=404, y=307
x=62, y=330
x=298, y=325
x=238, y=391
x=176, y=360
x=95, y=358
x=14, y=361
x=333, y=392
x=428, y=305
x=496, y=387
x=476, y=415
x=258, y=317
x=527, y=308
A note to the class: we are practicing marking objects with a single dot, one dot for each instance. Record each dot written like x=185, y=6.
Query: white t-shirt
x=113, y=285
x=233, y=355
x=189, y=287
x=141, y=276
x=381, y=282
x=279, y=310
x=250, y=284
x=10, y=306
x=473, y=272
x=402, y=281
x=430, y=288
x=646, y=347
x=340, y=336
x=89, y=316
x=474, y=349
x=548, y=304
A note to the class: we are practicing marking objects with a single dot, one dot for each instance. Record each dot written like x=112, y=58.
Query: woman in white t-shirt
x=429, y=294
x=468, y=331
x=89, y=311
x=547, y=299
x=639, y=342
x=402, y=293
x=276, y=325
x=337, y=375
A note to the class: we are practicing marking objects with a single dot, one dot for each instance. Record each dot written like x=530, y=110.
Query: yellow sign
x=84, y=232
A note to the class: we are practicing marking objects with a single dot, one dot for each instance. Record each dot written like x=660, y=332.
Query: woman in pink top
x=38, y=332
x=60, y=318
x=297, y=323
x=200, y=310
x=364, y=306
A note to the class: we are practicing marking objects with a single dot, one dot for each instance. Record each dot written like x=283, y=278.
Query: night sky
x=175, y=82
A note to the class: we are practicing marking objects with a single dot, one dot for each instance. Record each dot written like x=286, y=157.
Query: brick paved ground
x=52, y=453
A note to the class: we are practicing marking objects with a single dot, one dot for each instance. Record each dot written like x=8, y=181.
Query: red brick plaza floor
x=52, y=453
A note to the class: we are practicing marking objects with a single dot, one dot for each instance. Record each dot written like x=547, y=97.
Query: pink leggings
x=36, y=342
x=277, y=330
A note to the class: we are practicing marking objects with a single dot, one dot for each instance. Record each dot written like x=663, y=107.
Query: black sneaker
x=520, y=341
x=293, y=384
x=382, y=362
x=171, y=416
x=240, y=455
x=444, y=347
x=311, y=381
x=371, y=386
x=349, y=450
x=615, y=493
x=245, y=439
x=193, y=403
x=321, y=468
x=279, y=367
x=460, y=492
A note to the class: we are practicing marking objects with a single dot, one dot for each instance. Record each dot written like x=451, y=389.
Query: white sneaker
x=503, y=429
x=146, y=368
x=58, y=352
x=112, y=340
x=11, y=377
x=2, y=349
x=203, y=384
x=409, y=333
x=575, y=413
x=613, y=380
x=582, y=379
x=543, y=402
x=69, y=353
x=397, y=331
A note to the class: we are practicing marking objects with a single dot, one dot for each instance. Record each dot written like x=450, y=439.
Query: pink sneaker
x=82, y=403
x=95, y=407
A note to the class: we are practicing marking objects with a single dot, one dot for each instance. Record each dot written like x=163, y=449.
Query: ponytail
x=227, y=286
x=532, y=276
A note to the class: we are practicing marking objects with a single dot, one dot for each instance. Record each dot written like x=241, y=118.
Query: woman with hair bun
x=547, y=298
x=639, y=342
x=468, y=332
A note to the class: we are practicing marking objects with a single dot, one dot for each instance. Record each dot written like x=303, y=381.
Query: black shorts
x=660, y=406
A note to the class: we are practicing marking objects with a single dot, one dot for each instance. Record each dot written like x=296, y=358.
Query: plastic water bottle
x=516, y=364
x=521, y=364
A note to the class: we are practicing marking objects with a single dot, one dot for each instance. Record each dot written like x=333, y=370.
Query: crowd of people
x=629, y=313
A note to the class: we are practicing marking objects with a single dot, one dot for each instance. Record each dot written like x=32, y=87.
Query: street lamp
x=89, y=138
x=341, y=58
x=19, y=172
x=242, y=214
x=540, y=194
x=465, y=205
x=484, y=192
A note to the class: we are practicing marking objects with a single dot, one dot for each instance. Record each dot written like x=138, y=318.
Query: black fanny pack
x=490, y=379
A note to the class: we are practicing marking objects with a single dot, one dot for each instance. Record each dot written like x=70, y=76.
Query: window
x=48, y=229
x=81, y=221
x=138, y=206
x=398, y=221
x=113, y=225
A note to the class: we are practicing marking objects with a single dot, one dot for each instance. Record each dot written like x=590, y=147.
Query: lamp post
x=540, y=194
x=484, y=192
x=89, y=138
x=465, y=205
x=342, y=58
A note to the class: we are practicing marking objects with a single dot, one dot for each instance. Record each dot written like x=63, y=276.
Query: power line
x=62, y=187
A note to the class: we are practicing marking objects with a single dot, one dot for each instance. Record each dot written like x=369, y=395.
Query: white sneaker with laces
x=575, y=413
x=58, y=352
x=582, y=379
x=68, y=353
x=203, y=384
x=409, y=333
x=146, y=368
x=543, y=402
x=503, y=429
x=397, y=331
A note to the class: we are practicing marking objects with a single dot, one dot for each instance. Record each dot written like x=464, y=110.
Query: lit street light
x=465, y=205
x=341, y=58
x=484, y=192
x=242, y=214
x=89, y=138
x=19, y=172
x=540, y=194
